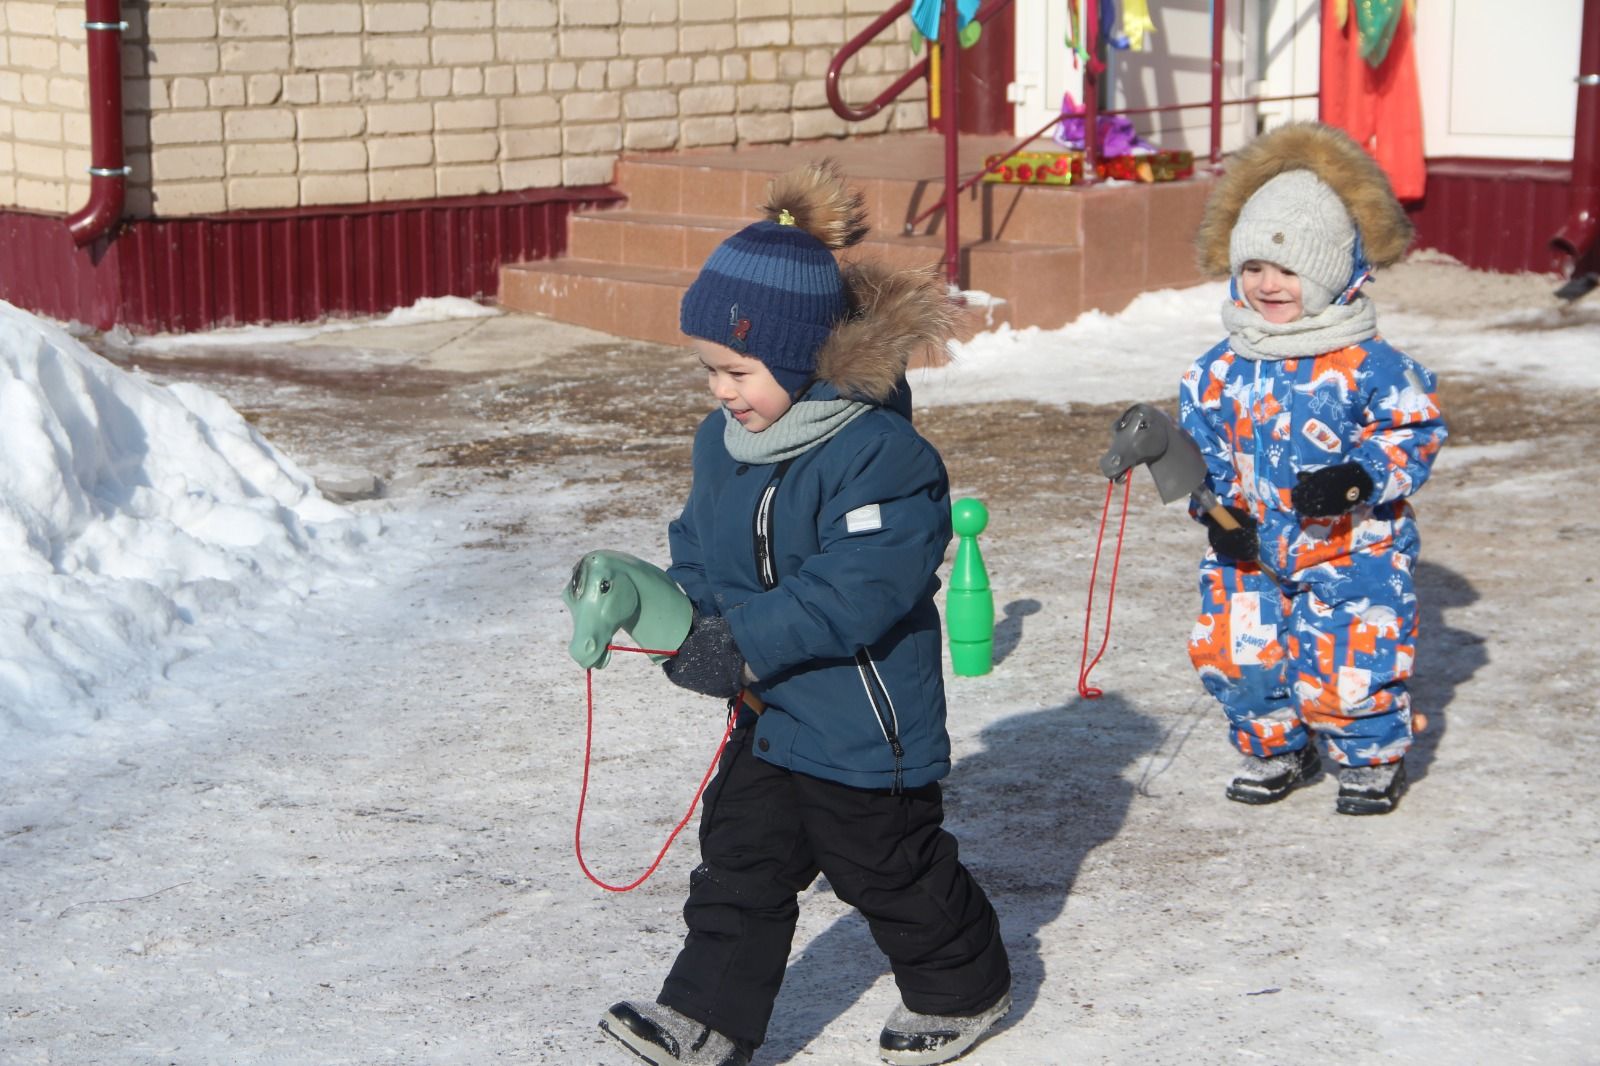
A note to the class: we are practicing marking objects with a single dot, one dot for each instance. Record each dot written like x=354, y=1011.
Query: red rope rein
x=1086, y=690
x=583, y=795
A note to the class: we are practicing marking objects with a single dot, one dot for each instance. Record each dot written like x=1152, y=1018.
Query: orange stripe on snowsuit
x=1211, y=396
x=1361, y=638
x=1332, y=551
x=1211, y=644
x=1273, y=735
x=1346, y=362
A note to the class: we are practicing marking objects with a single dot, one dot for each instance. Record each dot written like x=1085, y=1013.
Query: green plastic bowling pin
x=969, y=603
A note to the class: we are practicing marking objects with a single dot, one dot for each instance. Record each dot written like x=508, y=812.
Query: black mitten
x=1333, y=490
x=1241, y=545
x=708, y=661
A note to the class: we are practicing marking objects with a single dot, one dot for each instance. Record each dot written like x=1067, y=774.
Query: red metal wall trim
x=303, y=264
x=1494, y=214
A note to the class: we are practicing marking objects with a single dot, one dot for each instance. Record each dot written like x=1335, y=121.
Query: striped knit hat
x=774, y=290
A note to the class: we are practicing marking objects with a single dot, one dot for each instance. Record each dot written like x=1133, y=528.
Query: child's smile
x=743, y=386
x=1271, y=291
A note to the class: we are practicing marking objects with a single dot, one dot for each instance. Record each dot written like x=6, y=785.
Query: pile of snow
x=1093, y=359
x=135, y=519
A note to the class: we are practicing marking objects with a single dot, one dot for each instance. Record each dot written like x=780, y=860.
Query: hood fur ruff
x=1330, y=154
x=896, y=316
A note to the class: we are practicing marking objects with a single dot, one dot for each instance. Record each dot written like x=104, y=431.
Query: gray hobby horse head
x=1145, y=434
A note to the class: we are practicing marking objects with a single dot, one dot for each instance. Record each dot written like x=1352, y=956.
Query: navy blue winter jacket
x=846, y=643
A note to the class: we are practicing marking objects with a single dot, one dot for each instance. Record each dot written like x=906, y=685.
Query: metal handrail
x=947, y=106
x=912, y=73
x=854, y=45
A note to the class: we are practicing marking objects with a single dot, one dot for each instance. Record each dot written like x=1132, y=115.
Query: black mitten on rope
x=708, y=661
x=1333, y=490
x=1241, y=545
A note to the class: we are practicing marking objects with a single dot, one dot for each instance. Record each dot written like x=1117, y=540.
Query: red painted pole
x=1091, y=91
x=1578, y=241
x=107, y=172
x=1219, y=19
x=949, y=45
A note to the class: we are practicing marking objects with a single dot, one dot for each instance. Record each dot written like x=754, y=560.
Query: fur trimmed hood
x=896, y=317
x=1332, y=156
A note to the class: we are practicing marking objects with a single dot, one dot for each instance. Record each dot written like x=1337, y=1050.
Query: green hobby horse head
x=614, y=590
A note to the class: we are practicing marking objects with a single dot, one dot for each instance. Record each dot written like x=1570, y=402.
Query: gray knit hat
x=1297, y=221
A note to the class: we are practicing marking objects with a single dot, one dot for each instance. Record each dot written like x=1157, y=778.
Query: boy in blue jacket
x=1316, y=433
x=815, y=525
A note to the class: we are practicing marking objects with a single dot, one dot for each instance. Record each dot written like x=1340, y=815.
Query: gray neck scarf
x=802, y=427
x=1334, y=327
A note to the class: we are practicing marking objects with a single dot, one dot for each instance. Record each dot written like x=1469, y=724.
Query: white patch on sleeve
x=863, y=519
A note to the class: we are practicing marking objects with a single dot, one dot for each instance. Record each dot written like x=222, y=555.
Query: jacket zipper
x=766, y=564
x=883, y=709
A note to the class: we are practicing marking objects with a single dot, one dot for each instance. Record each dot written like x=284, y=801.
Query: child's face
x=743, y=385
x=1271, y=291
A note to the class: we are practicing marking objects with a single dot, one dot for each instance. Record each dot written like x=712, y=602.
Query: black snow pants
x=765, y=833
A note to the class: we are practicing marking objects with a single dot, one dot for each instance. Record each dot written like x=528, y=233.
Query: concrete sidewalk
x=379, y=411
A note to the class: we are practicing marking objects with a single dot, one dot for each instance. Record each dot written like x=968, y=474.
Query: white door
x=1043, y=65
x=1498, y=82
x=1291, y=61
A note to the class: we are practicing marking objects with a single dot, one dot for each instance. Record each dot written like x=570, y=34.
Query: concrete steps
x=1048, y=252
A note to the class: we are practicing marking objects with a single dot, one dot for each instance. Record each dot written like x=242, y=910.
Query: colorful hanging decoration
x=925, y=16
x=1137, y=23
x=1109, y=30
x=1376, y=22
x=1136, y=26
x=1075, y=42
x=1379, y=104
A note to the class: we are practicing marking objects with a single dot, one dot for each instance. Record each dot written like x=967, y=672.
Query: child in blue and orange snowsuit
x=1316, y=432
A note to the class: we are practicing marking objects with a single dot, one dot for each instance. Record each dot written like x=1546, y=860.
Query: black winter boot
x=1269, y=779
x=1371, y=789
x=661, y=1036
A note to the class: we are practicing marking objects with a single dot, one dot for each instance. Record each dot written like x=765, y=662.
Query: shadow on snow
x=1047, y=788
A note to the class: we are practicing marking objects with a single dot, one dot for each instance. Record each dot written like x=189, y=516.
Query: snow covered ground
x=285, y=780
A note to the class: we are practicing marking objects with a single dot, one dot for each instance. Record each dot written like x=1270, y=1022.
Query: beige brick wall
x=243, y=104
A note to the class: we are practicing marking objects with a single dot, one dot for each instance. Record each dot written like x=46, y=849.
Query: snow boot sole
x=1359, y=798
x=927, y=1039
x=1301, y=768
x=656, y=1044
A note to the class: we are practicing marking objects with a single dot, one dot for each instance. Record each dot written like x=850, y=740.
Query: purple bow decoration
x=1117, y=135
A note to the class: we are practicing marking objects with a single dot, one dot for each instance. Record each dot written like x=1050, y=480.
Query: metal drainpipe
x=107, y=172
x=1576, y=240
